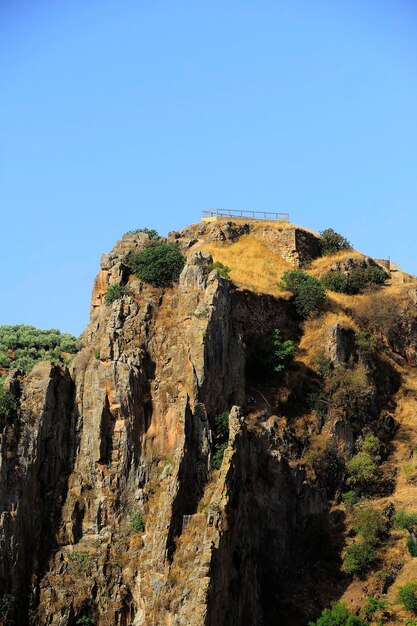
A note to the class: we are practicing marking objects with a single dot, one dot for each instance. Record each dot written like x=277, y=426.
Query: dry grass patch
x=316, y=333
x=256, y=225
x=253, y=264
x=323, y=264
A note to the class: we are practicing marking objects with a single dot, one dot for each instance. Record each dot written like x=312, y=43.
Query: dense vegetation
x=308, y=293
x=114, y=292
x=354, y=282
x=160, y=264
x=332, y=242
x=8, y=405
x=22, y=346
x=338, y=615
x=407, y=595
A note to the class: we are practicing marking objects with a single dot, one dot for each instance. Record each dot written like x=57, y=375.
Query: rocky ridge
x=128, y=428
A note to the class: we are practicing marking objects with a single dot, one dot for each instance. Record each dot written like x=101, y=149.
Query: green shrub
x=221, y=424
x=412, y=546
x=350, y=498
x=376, y=275
x=335, y=281
x=365, y=344
x=355, y=281
x=332, y=242
x=372, y=605
x=85, y=621
x=137, y=521
x=159, y=265
x=338, y=615
x=268, y=355
x=8, y=404
x=404, y=520
x=370, y=444
x=363, y=466
x=114, y=292
x=152, y=234
x=308, y=293
x=369, y=524
x=362, y=470
x=357, y=558
x=217, y=458
x=223, y=270
x=407, y=596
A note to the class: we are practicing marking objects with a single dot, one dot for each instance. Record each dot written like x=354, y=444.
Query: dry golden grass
x=253, y=264
x=322, y=265
x=316, y=331
x=258, y=224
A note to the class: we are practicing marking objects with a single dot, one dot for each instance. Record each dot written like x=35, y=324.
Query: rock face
x=340, y=346
x=111, y=511
x=36, y=456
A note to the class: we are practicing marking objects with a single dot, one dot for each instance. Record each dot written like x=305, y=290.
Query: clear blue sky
x=121, y=114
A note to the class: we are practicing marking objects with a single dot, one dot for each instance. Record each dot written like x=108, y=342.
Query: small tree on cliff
x=159, y=265
x=332, y=242
x=308, y=292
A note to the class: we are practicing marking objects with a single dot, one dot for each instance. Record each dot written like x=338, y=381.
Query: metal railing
x=256, y=215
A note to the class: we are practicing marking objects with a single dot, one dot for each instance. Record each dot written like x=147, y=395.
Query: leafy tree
x=223, y=270
x=369, y=523
x=362, y=469
x=407, y=595
x=363, y=466
x=308, y=293
x=332, y=242
x=371, y=445
x=160, y=265
x=357, y=558
x=338, y=615
x=114, y=292
x=282, y=350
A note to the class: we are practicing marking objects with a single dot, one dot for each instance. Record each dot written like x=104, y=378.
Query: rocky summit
x=232, y=445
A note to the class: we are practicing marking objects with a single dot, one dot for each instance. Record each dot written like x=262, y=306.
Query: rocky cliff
x=111, y=510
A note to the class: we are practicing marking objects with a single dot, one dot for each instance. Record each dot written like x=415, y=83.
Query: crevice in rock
x=192, y=476
x=106, y=434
